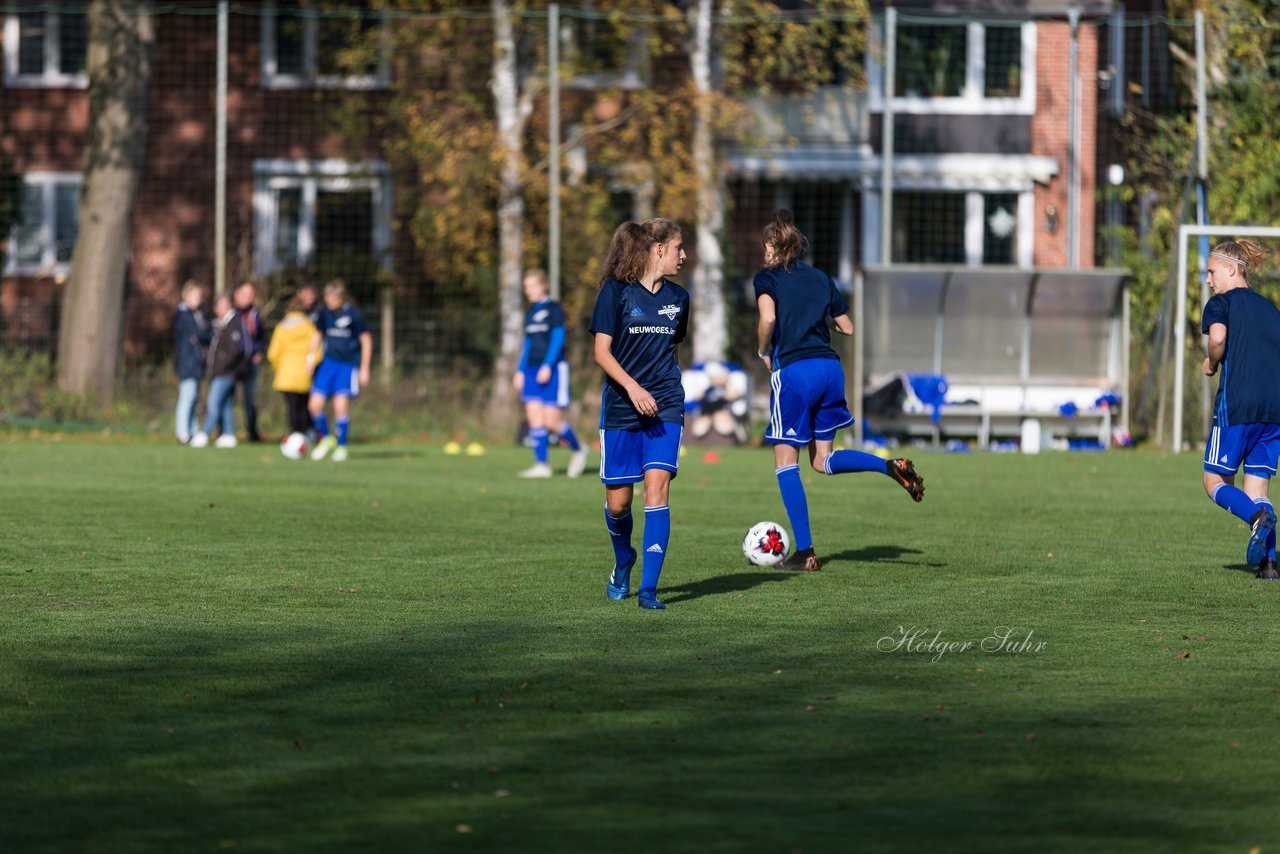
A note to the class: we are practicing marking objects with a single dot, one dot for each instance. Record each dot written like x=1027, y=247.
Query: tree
x=120, y=47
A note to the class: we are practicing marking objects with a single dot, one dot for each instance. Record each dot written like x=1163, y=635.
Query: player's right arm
x=1217, y=348
x=640, y=399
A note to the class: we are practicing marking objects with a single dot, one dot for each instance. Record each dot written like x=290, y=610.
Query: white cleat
x=323, y=447
x=340, y=454
x=537, y=470
x=226, y=440
x=577, y=463
x=200, y=440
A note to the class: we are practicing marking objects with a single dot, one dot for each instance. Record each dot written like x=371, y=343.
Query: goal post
x=1187, y=231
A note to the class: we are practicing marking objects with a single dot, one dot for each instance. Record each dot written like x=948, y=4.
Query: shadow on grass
x=1241, y=567
x=882, y=554
x=721, y=584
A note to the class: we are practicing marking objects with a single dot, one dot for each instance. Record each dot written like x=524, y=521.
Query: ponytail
x=788, y=242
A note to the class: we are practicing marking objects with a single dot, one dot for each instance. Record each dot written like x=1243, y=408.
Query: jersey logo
x=669, y=311
x=342, y=322
x=655, y=549
x=539, y=316
x=636, y=311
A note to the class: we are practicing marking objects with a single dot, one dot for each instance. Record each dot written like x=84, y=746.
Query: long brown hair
x=1246, y=253
x=788, y=242
x=628, y=257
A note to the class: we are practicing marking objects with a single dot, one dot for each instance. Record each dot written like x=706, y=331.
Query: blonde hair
x=788, y=242
x=337, y=288
x=1244, y=253
x=191, y=285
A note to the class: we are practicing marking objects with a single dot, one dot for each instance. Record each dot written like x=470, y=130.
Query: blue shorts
x=1255, y=445
x=336, y=378
x=554, y=392
x=625, y=455
x=806, y=402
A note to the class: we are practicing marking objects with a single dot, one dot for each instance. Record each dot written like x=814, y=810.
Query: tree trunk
x=121, y=39
x=506, y=96
x=710, y=326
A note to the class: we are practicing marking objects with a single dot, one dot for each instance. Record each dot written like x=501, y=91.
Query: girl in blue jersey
x=348, y=351
x=1244, y=340
x=640, y=318
x=798, y=304
x=542, y=377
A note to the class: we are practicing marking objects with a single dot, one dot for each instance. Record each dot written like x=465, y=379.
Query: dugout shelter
x=1010, y=345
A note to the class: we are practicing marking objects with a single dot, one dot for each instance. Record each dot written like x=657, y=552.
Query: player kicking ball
x=798, y=305
x=348, y=350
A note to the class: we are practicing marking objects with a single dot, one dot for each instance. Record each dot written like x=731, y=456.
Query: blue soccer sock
x=322, y=424
x=344, y=428
x=1234, y=501
x=797, y=505
x=539, y=437
x=1271, y=539
x=657, y=531
x=842, y=462
x=620, y=533
x=570, y=438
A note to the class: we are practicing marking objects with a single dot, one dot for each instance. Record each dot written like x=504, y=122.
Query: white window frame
x=312, y=176
x=50, y=78
x=48, y=265
x=310, y=78
x=971, y=100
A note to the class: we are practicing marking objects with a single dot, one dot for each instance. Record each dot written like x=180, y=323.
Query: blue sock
x=1234, y=501
x=322, y=424
x=620, y=533
x=797, y=505
x=570, y=438
x=841, y=462
x=1271, y=540
x=344, y=427
x=657, y=531
x=539, y=437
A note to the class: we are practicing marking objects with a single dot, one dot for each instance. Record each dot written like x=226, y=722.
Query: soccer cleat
x=200, y=440
x=904, y=473
x=537, y=470
x=802, y=561
x=226, y=440
x=577, y=463
x=323, y=447
x=1267, y=570
x=648, y=599
x=618, y=587
x=1262, y=523
x=340, y=454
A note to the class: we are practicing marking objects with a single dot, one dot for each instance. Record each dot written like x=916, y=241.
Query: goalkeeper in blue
x=798, y=306
x=542, y=378
x=1244, y=341
x=640, y=318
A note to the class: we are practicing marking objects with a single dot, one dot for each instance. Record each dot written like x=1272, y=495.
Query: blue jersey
x=645, y=327
x=342, y=330
x=540, y=322
x=1249, y=391
x=807, y=299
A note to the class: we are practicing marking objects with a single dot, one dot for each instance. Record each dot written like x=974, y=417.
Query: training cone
x=452, y=448
x=475, y=449
x=711, y=457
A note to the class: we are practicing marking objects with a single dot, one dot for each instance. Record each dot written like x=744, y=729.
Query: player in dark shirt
x=1244, y=341
x=348, y=351
x=798, y=304
x=640, y=318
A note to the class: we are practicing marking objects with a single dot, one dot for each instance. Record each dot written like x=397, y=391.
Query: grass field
x=202, y=650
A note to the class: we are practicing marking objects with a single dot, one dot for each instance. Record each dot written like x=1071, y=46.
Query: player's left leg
x=342, y=425
x=535, y=415
x=660, y=461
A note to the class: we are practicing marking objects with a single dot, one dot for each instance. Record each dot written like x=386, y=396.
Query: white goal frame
x=1185, y=231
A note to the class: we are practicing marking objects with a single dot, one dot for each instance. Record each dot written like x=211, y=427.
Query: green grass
x=411, y=651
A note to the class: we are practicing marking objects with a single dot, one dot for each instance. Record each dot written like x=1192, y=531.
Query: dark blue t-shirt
x=342, y=330
x=1249, y=390
x=539, y=321
x=806, y=299
x=645, y=327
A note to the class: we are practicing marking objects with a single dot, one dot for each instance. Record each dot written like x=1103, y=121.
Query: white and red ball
x=766, y=543
x=294, y=446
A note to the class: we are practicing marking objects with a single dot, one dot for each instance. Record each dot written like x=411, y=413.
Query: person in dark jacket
x=226, y=359
x=245, y=300
x=191, y=336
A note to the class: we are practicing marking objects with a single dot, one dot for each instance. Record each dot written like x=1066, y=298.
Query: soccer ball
x=766, y=543
x=294, y=446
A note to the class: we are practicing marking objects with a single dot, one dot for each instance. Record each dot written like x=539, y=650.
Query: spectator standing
x=191, y=335
x=245, y=300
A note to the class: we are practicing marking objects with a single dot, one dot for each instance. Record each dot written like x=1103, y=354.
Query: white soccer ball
x=766, y=543
x=294, y=446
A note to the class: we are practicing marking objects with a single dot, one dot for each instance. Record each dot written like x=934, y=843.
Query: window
x=945, y=67
x=45, y=50
x=972, y=228
x=329, y=215
x=600, y=54
x=346, y=48
x=48, y=221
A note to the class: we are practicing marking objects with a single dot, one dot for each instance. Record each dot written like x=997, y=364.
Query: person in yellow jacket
x=290, y=356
